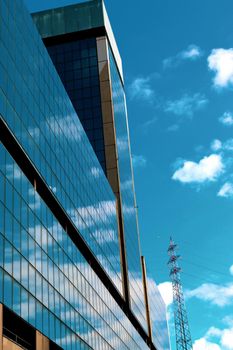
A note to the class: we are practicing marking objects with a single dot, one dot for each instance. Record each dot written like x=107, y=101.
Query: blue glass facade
x=72, y=60
x=159, y=324
x=37, y=109
x=77, y=65
x=127, y=194
x=44, y=277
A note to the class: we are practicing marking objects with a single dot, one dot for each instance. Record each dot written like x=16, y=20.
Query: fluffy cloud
x=226, y=190
x=216, y=145
x=220, y=295
x=122, y=144
x=127, y=185
x=226, y=119
x=224, y=338
x=193, y=52
x=228, y=145
x=141, y=89
x=204, y=344
x=213, y=332
x=221, y=62
x=228, y=320
x=165, y=289
x=186, y=105
x=139, y=161
x=227, y=338
x=208, y=169
x=231, y=270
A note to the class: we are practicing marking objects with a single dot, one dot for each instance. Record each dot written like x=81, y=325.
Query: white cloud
x=105, y=236
x=226, y=190
x=67, y=127
x=139, y=161
x=141, y=88
x=34, y=199
x=216, y=145
x=213, y=332
x=191, y=53
x=122, y=144
x=221, y=62
x=220, y=295
x=203, y=344
x=128, y=209
x=231, y=270
x=228, y=320
x=165, y=289
x=228, y=145
x=226, y=119
x=227, y=338
x=13, y=172
x=35, y=133
x=127, y=185
x=224, y=338
x=96, y=172
x=186, y=105
x=104, y=212
x=208, y=169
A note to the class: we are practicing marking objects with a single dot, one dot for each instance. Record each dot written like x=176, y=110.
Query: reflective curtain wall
x=77, y=65
x=158, y=316
x=127, y=194
x=44, y=278
x=38, y=111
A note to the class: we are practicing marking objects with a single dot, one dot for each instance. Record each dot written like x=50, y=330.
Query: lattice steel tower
x=183, y=336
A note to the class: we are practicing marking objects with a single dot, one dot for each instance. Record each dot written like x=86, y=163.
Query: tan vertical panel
x=10, y=345
x=144, y=275
x=107, y=114
x=1, y=327
x=42, y=343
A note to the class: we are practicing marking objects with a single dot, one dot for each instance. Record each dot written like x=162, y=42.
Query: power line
x=206, y=268
x=204, y=259
x=192, y=245
x=203, y=267
x=209, y=260
x=198, y=278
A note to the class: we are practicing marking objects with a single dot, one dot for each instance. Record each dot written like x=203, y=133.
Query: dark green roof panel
x=70, y=19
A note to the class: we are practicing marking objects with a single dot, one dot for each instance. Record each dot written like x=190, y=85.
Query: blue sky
x=178, y=65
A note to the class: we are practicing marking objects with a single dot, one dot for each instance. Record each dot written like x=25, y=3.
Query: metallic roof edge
x=103, y=20
x=112, y=41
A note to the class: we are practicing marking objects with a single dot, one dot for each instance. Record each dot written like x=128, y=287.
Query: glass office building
x=89, y=64
x=70, y=269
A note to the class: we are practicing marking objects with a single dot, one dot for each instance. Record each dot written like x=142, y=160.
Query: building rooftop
x=76, y=18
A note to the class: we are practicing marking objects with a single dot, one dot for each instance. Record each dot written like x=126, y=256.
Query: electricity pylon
x=183, y=336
